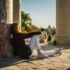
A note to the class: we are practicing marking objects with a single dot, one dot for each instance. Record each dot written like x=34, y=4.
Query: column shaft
x=63, y=22
x=16, y=12
x=9, y=11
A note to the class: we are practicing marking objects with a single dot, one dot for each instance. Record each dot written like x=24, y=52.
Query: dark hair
x=42, y=29
x=14, y=28
x=36, y=33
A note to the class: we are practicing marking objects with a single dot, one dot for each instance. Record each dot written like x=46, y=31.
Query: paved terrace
x=58, y=62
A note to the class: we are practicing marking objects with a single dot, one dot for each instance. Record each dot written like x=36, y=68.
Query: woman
x=18, y=41
x=23, y=50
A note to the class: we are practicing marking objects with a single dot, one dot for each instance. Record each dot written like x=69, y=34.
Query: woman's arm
x=27, y=35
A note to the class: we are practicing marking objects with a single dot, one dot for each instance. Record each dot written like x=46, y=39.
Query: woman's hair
x=14, y=28
x=36, y=33
x=42, y=29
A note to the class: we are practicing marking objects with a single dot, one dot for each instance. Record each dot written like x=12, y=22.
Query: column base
x=63, y=40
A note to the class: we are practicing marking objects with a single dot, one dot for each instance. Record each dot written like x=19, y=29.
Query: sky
x=42, y=12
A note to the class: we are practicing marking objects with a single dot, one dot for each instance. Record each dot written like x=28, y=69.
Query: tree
x=25, y=18
x=53, y=31
x=50, y=30
x=31, y=27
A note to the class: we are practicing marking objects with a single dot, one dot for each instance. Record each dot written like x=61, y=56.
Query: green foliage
x=32, y=28
x=54, y=42
x=50, y=30
x=26, y=23
x=53, y=31
x=49, y=38
x=29, y=27
x=25, y=18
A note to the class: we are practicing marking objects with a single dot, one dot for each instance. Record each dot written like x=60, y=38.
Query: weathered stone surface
x=63, y=22
x=5, y=46
x=8, y=14
x=9, y=11
x=2, y=10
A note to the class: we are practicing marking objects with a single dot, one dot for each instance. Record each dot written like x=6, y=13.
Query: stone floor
x=59, y=62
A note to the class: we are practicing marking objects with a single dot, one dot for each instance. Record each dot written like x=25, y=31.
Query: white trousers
x=34, y=43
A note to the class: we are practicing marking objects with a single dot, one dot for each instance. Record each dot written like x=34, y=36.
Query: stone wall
x=5, y=45
x=9, y=14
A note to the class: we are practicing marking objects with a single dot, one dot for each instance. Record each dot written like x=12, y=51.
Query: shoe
x=58, y=51
x=41, y=55
x=32, y=57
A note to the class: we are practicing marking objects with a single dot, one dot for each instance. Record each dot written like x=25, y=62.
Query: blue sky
x=42, y=12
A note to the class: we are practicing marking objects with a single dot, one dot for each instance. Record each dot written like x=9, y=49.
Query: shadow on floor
x=13, y=61
x=8, y=62
x=68, y=69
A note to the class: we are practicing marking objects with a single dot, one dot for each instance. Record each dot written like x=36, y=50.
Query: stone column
x=16, y=12
x=2, y=11
x=9, y=11
x=63, y=22
x=5, y=14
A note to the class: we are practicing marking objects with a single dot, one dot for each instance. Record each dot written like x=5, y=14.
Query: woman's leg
x=34, y=44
